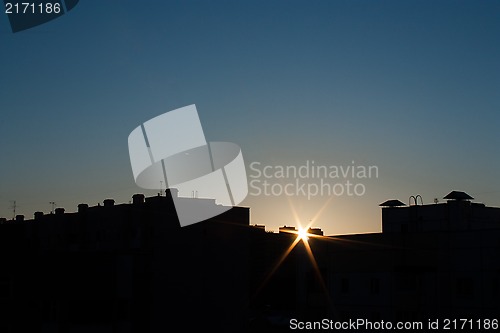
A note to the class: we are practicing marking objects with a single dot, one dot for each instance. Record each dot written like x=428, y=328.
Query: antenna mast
x=53, y=206
x=14, y=206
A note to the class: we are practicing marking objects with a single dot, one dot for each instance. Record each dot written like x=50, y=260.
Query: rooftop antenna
x=53, y=206
x=14, y=206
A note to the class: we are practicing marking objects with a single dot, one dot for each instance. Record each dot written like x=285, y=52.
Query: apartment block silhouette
x=132, y=268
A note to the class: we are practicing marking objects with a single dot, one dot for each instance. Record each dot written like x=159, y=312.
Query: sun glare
x=302, y=234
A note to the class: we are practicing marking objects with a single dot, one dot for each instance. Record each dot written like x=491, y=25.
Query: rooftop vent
x=82, y=208
x=392, y=203
x=138, y=198
x=315, y=231
x=172, y=192
x=287, y=229
x=109, y=202
x=458, y=195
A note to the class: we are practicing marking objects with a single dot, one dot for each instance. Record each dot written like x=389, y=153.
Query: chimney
x=109, y=203
x=172, y=192
x=38, y=215
x=138, y=199
x=19, y=218
x=60, y=211
x=315, y=231
x=82, y=208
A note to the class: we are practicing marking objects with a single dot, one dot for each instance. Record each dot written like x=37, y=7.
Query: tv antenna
x=53, y=204
x=14, y=206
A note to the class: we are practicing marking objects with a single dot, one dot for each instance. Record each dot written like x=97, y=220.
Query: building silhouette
x=432, y=262
x=123, y=268
x=132, y=268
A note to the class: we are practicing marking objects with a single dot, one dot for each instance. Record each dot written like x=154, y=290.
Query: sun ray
x=317, y=271
x=320, y=211
x=304, y=236
x=294, y=212
x=278, y=264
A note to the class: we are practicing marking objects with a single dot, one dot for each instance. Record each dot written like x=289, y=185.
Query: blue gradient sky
x=410, y=86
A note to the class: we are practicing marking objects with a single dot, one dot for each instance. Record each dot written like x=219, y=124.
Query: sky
x=410, y=87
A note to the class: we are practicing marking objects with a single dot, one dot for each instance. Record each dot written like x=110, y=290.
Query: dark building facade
x=436, y=263
x=132, y=268
x=124, y=268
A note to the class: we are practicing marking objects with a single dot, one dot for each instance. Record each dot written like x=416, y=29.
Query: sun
x=302, y=234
